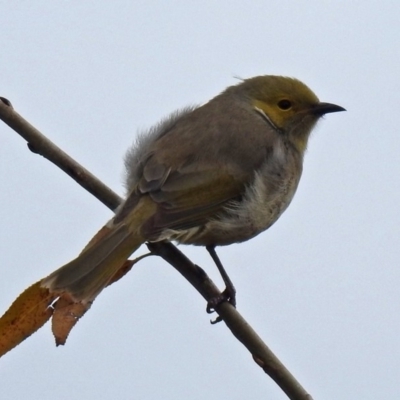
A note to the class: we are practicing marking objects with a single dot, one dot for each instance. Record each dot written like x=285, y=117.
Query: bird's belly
x=261, y=206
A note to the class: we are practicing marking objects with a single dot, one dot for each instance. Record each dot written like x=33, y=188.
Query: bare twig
x=39, y=144
x=262, y=355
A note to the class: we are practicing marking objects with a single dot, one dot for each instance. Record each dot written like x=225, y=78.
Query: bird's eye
x=285, y=104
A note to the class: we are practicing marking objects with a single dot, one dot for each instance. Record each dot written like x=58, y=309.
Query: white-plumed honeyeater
x=212, y=175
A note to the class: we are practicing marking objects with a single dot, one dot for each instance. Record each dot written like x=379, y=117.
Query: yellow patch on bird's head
x=286, y=102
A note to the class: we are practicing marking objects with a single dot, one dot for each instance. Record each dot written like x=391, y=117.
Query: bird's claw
x=227, y=295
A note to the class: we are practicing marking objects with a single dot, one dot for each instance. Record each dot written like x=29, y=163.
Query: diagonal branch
x=262, y=355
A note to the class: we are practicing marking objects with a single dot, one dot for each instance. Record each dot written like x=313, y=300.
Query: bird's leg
x=229, y=294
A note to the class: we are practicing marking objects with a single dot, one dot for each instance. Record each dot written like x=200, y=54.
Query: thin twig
x=262, y=355
x=38, y=143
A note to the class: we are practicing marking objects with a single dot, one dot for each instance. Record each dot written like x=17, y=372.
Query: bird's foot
x=229, y=295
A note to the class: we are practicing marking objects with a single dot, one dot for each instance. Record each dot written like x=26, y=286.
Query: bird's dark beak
x=325, y=108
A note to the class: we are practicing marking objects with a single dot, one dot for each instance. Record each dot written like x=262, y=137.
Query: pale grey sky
x=321, y=286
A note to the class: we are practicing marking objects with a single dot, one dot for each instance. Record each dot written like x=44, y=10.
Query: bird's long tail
x=86, y=276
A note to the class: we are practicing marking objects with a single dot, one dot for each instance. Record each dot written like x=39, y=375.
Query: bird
x=209, y=175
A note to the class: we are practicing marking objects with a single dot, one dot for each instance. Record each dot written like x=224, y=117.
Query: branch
x=262, y=355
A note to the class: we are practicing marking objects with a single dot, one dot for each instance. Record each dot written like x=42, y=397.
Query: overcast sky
x=321, y=286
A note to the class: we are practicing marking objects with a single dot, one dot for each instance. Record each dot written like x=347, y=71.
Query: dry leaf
x=30, y=311
x=66, y=314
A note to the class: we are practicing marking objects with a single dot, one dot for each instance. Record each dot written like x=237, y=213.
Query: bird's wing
x=185, y=197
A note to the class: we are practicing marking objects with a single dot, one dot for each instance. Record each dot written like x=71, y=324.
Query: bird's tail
x=86, y=276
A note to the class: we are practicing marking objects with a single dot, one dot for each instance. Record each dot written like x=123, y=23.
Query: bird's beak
x=325, y=108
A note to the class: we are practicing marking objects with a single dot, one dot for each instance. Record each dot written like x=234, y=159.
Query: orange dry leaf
x=66, y=314
x=30, y=311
